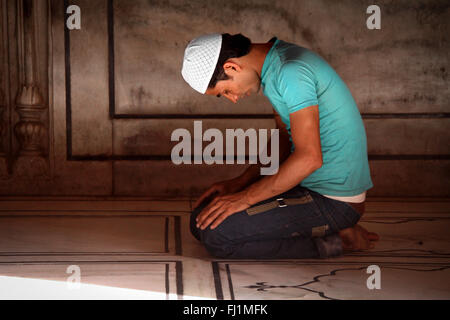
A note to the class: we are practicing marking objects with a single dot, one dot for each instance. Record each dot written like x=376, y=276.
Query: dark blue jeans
x=289, y=232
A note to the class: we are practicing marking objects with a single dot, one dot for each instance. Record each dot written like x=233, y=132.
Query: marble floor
x=126, y=248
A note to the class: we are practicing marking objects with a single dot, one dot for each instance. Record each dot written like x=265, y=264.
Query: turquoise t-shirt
x=294, y=78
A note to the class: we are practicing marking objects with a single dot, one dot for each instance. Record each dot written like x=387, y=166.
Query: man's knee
x=216, y=242
x=193, y=224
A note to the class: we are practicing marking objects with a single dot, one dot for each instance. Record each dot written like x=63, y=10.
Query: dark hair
x=233, y=46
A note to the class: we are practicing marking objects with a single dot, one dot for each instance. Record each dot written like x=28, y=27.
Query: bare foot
x=358, y=238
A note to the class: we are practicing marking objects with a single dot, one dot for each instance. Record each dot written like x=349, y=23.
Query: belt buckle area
x=281, y=203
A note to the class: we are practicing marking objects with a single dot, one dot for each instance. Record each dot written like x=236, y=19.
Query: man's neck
x=257, y=55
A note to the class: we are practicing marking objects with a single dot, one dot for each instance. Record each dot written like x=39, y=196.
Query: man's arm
x=252, y=173
x=306, y=158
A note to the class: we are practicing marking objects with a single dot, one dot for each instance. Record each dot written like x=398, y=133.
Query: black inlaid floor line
x=217, y=281
x=230, y=282
x=167, y=282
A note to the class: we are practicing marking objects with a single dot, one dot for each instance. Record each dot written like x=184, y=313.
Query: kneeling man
x=311, y=206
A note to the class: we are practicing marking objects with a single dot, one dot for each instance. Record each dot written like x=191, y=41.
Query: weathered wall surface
x=116, y=92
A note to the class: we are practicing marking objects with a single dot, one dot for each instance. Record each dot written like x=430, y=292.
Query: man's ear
x=230, y=67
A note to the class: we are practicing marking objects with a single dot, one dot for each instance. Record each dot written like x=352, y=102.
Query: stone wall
x=114, y=92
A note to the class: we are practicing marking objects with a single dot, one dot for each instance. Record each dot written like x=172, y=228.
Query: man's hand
x=221, y=208
x=220, y=189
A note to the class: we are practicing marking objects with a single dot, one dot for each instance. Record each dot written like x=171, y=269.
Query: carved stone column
x=31, y=130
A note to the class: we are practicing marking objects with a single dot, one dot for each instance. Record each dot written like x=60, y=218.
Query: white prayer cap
x=200, y=60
